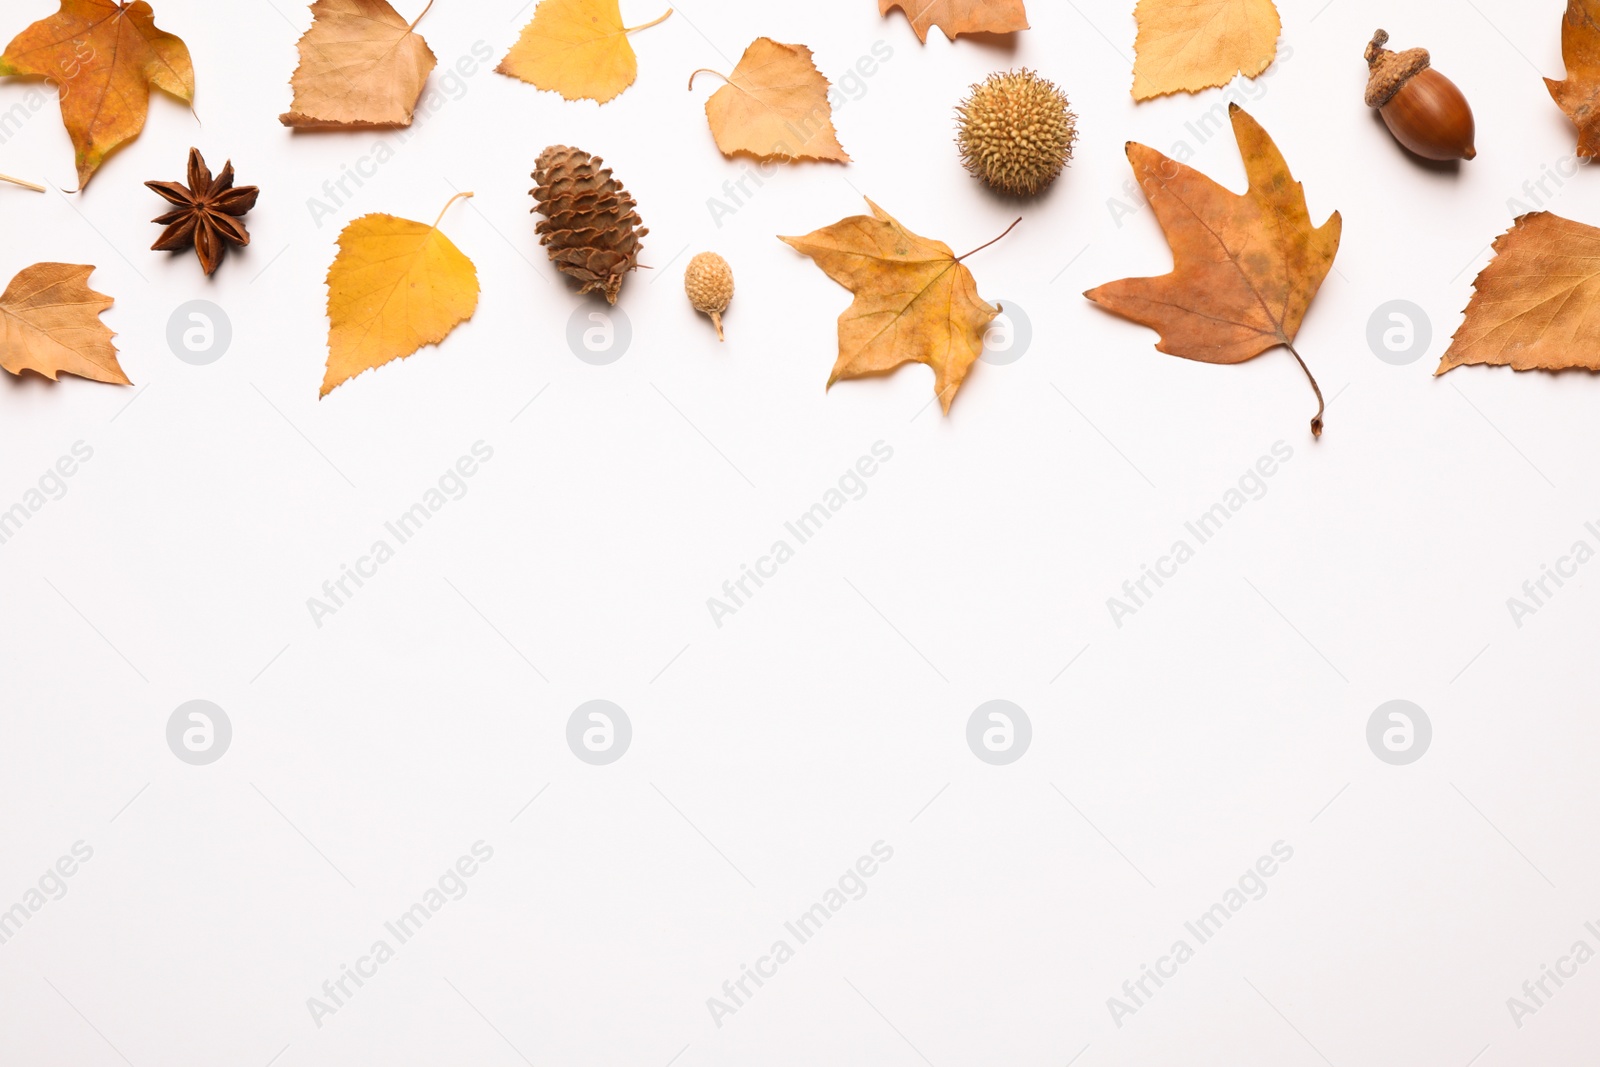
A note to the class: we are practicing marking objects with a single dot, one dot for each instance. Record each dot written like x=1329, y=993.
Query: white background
x=830, y=713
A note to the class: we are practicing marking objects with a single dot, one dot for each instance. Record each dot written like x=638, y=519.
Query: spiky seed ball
x=1016, y=132
x=709, y=282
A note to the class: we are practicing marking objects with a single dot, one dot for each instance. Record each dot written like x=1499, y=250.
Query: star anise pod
x=208, y=212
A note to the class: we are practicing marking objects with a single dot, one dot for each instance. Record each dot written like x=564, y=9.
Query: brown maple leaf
x=207, y=213
x=105, y=56
x=956, y=17
x=915, y=301
x=1579, y=94
x=50, y=323
x=1536, y=306
x=1245, y=268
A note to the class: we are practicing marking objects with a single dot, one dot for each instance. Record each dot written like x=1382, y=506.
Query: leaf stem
x=646, y=26
x=25, y=185
x=453, y=199
x=1316, y=422
x=418, y=19
x=996, y=241
x=705, y=70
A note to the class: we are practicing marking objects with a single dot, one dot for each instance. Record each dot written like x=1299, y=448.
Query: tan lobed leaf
x=775, y=106
x=1579, y=94
x=361, y=65
x=50, y=323
x=1188, y=45
x=395, y=286
x=915, y=302
x=1245, y=268
x=1536, y=306
x=956, y=17
x=578, y=48
x=104, y=57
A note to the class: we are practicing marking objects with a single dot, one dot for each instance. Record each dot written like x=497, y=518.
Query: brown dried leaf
x=775, y=106
x=50, y=323
x=956, y=17
x=361, y=65
x=1245, y=268
x=1536, y=306
x=915, y=302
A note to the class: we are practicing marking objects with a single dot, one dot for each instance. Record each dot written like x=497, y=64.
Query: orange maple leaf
x=1245, y=268
x=104, y=57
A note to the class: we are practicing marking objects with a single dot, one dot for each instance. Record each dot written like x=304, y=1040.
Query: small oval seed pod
x=709, y=282
x=1422, y=108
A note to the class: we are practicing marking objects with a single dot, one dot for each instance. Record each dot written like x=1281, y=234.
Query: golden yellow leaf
x=361, y=65
x=775, y=106
x=1188, y=45
x=104, y=57
x=956, y=17
x=1536, y=306
x=50, y=323
x=1244, y=268
x=915, y=302
x=395, y=286
x=578, y=48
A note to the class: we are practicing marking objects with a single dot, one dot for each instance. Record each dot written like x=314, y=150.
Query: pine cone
x=590, y=228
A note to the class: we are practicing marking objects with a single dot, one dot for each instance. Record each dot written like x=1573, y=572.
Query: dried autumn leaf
x=1188, y=45
x=395, y=286
x=578, y=48
x=915, y=302
x=50, y=323
x=956, y=17
x=1534, y=307
x=361, y=65
x=1579, y=94
x=1245, y=268
x=775, y=106
x=104, y=57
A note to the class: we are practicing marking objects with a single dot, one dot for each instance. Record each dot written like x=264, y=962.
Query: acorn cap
x=1391, y=70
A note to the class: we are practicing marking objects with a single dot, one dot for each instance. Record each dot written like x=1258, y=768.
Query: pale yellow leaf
x=1188, y=45
x=775, y=106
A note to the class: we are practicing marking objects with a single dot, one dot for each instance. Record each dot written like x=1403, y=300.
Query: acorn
x=1422, y=108
x=1016, y=132
x=709, y=283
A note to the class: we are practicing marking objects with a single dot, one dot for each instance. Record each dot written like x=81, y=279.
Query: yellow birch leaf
x=395, y=286
x=50, y=323
x=104, y=57
x=775, y=106
x=1185, y=46
x=915, y=302
x=361, y=65
x=578, y=48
